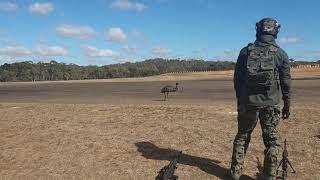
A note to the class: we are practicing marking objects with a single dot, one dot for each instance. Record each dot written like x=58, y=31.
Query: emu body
x=168, y=88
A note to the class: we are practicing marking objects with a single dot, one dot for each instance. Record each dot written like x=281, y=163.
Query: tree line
x=53, y=71
x=298, y=63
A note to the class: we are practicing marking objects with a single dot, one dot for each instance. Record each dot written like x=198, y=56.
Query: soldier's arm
x=239, y=71
x=285, y=77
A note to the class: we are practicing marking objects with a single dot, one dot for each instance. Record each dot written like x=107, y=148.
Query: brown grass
x=131, y=136
x=79, y=141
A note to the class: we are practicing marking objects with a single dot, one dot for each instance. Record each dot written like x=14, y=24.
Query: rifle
x=167, y=172
x=284, y=162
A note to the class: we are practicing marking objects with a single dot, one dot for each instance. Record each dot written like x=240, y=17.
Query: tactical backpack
x=261, y=71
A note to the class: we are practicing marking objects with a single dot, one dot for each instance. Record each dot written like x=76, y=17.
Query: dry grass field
x=121, y=128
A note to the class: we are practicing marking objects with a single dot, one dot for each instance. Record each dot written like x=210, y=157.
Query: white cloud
x=20, y=51
x=227, y=55
x=41, y=8
x=93, y=52
x=116, y=34
x=73, y=31
x=8, y=7
x=129, y=53
x=50, y=51
x=130, y=49
x=124, y=59
x=199, y=51
x=126, y=4
x=14, y=51
x=160, y=51
x=290, y=40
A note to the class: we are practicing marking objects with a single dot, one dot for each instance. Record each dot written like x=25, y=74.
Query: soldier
x=261, y=74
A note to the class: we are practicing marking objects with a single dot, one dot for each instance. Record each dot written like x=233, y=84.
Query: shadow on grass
x=210, y=166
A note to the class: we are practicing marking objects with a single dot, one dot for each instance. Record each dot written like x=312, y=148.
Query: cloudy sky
x=115, y=31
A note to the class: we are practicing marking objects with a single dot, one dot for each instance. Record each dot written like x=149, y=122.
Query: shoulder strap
x=250, y=47
x=273, y=48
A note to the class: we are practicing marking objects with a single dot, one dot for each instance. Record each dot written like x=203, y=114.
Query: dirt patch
x=124, y=130
x=190, y=92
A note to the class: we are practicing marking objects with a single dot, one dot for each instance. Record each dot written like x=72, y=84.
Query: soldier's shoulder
x=244, y=50
x=282, y=53
x=280, y=50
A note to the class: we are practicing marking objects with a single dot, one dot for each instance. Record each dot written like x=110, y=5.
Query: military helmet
x=268, y=26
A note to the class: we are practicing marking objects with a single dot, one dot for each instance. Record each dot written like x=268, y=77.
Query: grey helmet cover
x=268, y=26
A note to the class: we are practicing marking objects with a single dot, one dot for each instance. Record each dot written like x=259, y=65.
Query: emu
x=165, y=90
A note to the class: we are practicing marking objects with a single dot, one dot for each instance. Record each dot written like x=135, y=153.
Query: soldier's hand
x=286, y=110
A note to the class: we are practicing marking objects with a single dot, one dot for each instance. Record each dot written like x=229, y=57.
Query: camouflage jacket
x=273, y=95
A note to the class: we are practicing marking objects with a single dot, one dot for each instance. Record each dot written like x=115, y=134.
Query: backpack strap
x=273, y=48
x=250, y=47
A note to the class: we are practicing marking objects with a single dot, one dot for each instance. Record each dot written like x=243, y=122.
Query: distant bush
x=47, y=71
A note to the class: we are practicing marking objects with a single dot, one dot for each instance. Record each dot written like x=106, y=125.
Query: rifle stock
x=167, y=172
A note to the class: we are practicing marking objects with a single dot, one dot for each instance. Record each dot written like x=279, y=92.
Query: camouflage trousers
x=247, y=121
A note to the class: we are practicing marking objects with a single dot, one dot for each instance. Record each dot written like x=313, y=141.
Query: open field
x=312, y=73
x=121, y=129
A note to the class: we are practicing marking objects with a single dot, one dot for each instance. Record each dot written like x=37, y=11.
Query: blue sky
x=115, y=31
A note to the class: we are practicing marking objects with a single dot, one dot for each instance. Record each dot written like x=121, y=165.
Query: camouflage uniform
x=255, y=103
